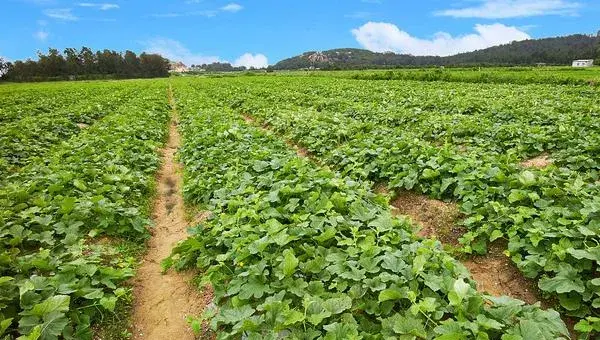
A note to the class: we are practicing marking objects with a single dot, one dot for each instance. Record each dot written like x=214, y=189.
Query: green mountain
x=553, y=51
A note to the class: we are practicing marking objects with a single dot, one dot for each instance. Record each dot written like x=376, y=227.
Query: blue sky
x=253, y=33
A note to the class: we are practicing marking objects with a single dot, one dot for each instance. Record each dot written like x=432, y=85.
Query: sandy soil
x=162, y=302
x=436, y=218
x=497, y=275
x=538, y=162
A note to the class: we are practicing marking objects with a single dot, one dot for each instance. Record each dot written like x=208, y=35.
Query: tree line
x=220, y=67
x=85, y=64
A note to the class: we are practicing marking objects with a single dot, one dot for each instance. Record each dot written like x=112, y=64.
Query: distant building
x=178, y=67
x=583, y=63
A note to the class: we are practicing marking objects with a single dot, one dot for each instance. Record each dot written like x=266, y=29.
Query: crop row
x=61, y=222
x=485, y=75
x=521, y=120
x=294, y=250
x=37, y=130
x=19, y=101
x=549, y=216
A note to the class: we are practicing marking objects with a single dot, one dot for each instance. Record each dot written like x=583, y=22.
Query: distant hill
x=553, y=51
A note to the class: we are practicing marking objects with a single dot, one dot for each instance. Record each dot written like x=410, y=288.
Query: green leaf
x=25, y=287
x=570, y=301
x=67, y=205
x=35, y=334
x=57, y=303
x=488, y=323
x=4, y=324
x=496, y=234
x=54, y=325
x=292, y=317
x=94, y=294
x=430, y=173
x=390, y=294
x=361, y=212
x=235, y=315
x=4, y=279
x=588, y=325
x=108, y=302
x=79, y=185
x=337, y=305
x=527, y=178
x=290, y=262
x=590, y=253
x=529, y=329
x=562, y=283
x=338, y=331
x=461, y=288
x=408, y=325
x=254, y=288
x=517, y=195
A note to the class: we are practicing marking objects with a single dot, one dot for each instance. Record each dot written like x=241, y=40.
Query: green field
x=499, y=75
x=301, y=242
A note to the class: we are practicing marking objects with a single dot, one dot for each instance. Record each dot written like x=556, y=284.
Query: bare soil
x=436, y=218
x=497, y=275
x=494, y=272
x=538, y=162
x=300, y=151
x=162, y=302
x=248, y=119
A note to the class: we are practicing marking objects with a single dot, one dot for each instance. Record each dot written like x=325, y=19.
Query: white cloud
x=383, y=37
x=61, y=14
x=252, y=60
x=232, y=7
x=100, y=6
x=176, y=51
x=41, y=35
x=502, y=9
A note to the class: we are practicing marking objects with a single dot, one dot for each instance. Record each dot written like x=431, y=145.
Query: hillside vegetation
x=554, y=51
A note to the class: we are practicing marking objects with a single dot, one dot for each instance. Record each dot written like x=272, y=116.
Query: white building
x=583, y=63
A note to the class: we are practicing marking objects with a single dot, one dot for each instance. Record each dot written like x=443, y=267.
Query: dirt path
x=163, y=301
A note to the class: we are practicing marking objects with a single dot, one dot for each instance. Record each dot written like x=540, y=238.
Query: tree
x=221, y=67
x=53, y=64
x=100, y=64
x=88, y=59
x=109, y=62
x=74, y=65
x=597, y=61
x=131, y=64
x=153, y=65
